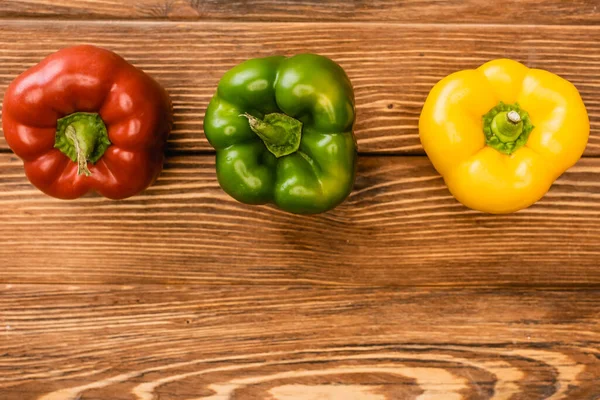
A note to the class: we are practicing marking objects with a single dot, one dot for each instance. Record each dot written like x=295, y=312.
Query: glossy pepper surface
x=282, y=129
x=84, y=119
x=501, y=134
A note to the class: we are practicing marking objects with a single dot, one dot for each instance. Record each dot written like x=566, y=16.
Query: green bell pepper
x=283, y=133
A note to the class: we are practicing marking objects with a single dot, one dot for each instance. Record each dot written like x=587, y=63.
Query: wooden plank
x=284, y=342
x=424, y=11
x=392, y=67
x=400, y=227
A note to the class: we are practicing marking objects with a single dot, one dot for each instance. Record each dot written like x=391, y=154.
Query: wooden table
x=400, y=293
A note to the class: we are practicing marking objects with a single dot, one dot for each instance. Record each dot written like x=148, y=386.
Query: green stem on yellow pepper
x=506, y=127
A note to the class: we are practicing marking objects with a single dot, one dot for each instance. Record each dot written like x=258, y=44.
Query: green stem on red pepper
x=83, y=138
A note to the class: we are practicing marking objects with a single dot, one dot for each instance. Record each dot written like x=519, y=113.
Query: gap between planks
x=220, y=22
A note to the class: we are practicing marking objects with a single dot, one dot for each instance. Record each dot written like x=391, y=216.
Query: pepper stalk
x=507, y=127
x=83, y=138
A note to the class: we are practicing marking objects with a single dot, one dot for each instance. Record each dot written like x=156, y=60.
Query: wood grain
x=202, y=342
x=400, y=227
x=392, y=67
x=517, y=12
x=400, y=293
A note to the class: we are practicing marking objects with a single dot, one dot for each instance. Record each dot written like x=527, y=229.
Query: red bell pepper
x=85, y=119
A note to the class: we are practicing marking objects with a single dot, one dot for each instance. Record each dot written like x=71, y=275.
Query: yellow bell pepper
x=501, y=134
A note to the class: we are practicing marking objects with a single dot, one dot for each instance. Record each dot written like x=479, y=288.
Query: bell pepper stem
x=280, y=133
x=82, y=149
x=267, y=132
x=513, y=117
x=83, y=138
x=507, y=126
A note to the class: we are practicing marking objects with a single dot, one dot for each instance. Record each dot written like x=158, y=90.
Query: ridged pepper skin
x=311, y=89
x=484, y=169
x=85, y=82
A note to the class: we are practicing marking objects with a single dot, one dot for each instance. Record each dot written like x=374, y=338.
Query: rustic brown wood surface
x=392, y=66
x=400, y=293
x=400, y=227
x=520, y=12
x=297, y=342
